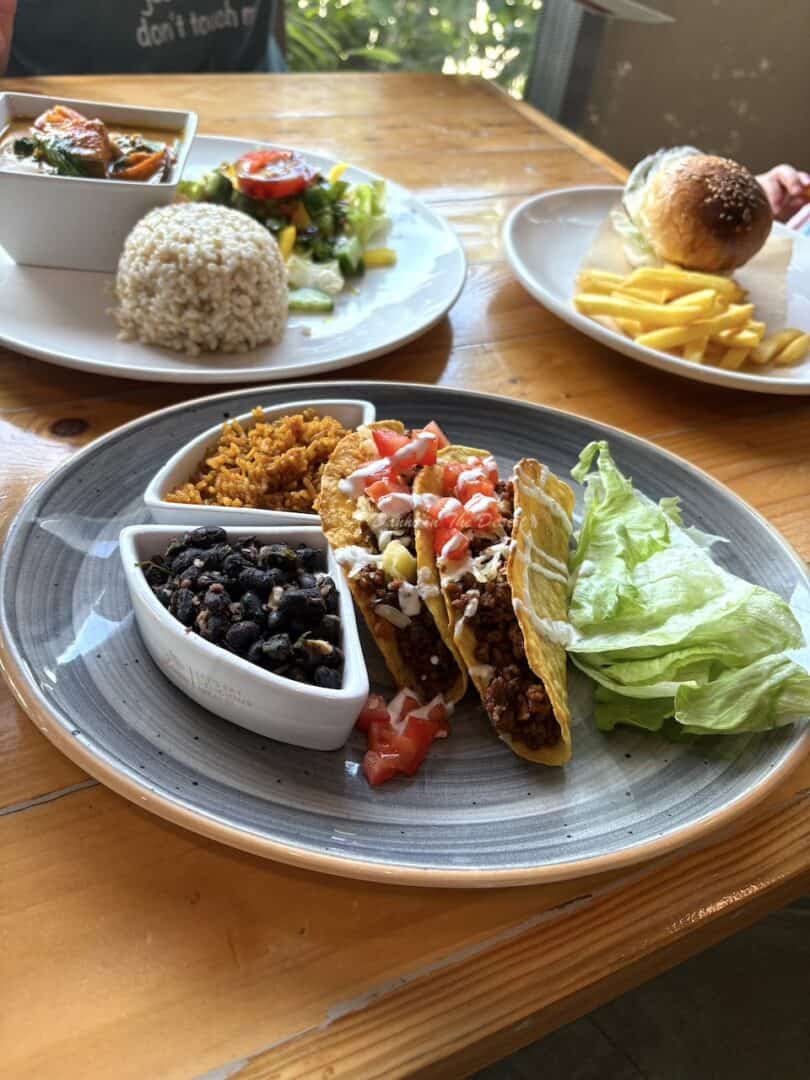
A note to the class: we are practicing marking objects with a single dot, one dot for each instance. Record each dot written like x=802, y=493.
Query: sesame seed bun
x=705, y=213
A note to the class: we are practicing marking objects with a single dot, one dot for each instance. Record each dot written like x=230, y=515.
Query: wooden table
x=133, y=949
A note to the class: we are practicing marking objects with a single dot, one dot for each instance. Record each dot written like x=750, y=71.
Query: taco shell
x=342, y=529
x=538, y=584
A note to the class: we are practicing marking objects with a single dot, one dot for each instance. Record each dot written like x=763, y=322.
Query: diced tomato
x=442, y=537
x=405, y=702
x=388, y=485
x=421, y=450
x=273, y=174
x=474, y=485
x=388, y=442
x=375, y=708
x=380, y=767
x=481, y=512
x=441, y=439
x=490, y=467
x=445, y=510
x=452, y=471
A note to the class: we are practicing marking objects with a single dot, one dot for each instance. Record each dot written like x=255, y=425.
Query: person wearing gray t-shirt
x=99, y=37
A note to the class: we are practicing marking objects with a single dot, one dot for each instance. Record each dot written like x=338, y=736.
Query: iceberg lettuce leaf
x=661, y=625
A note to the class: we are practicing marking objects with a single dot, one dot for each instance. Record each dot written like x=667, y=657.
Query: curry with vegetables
x=63, y=142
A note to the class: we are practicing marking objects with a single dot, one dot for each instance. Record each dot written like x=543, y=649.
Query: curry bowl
x=81, y=222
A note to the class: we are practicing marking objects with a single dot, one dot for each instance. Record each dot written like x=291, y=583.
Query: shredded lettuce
x=665, y=632
x=304, y=273
x=366, y=210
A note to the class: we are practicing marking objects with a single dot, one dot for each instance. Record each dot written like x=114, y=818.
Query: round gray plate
x=475, y=814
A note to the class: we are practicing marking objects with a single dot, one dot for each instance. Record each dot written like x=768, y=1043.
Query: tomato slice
x=405, y=702
x=441, y=439
x=387, y=485
x=375, y=708
x=273, y=174
x=388, y=442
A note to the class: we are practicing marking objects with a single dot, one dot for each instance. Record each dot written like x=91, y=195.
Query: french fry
x=652, y=315
x=599, y=281
x=767, y=349
x=794, y=352
x=652, y=296
x=609, y=323
x=631, y=327
x=739, y=339
x=671, y=336
x=705, y=299
x=684, y=281
x=695, y=350
x=736, y=315
x=733, y=359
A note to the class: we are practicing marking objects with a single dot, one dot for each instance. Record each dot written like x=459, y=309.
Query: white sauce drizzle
x=557, y=509
x=409, y=601
x=355, y=558
x=397, y=504
x=425, y=584
x=355, y=485
x=557, y=631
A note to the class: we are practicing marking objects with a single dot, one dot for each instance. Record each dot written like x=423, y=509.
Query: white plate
x=546, y=240
x=63, y=316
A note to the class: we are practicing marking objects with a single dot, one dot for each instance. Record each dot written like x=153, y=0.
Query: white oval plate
x=63, y=316
x=546, y=241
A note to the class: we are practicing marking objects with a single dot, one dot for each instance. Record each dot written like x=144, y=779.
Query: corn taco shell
x=345, y=532
x=535, y=572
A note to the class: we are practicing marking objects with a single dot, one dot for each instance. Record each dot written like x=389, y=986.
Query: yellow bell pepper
x=378, y=257
x=286, y=241
x=337, y=171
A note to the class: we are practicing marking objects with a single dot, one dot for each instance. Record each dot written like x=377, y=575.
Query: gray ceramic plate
x=475, y=814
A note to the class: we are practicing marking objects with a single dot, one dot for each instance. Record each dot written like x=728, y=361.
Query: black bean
x=329, y=629
x=276, y=622
x=308, y=557
x=208, y=578
x=252, y=607
x=216, y=556
x=329, y=678
x=155, y=572
x=259, y=581
x=330, y=595
x=306, y=580
x=190, y=576
x=182, y=606
x=233, y=565
x=304, y=605
x=241, y=636
x=314, y=651
x=212, y=627
x=278, y=556
x=175, y=547
x=216, y=600
x=255, y=653
x=206, y=536
x=164, y=594
x=277, y=649
x=185, y=559
x=297, y=673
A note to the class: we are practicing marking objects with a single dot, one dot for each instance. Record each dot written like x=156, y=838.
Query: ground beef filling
x=434, y=668
x=515, y=699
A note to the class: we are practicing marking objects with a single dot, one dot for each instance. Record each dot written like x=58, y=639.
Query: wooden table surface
x=134, y=949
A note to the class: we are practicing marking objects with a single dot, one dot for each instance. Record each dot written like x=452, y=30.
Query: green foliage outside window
x=492, y=38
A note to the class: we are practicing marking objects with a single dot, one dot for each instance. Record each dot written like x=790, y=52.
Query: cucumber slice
x=310, y=301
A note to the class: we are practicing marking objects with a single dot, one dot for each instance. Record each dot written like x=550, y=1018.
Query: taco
x=501, y=549
x=366, y=509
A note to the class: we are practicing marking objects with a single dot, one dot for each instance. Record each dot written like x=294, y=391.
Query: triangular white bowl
x=230, y=686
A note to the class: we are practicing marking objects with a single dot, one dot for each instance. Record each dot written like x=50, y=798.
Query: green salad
x=674, y=642
x=326, y=227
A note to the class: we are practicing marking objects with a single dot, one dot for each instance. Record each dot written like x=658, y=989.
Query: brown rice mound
x=269, y=465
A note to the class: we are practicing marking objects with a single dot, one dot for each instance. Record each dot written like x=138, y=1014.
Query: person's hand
x=787, y=190
x=8, y=9
x=801, y=219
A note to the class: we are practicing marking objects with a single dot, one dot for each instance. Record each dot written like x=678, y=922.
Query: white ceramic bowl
x=75, y=222
x=182, y=465
x=231, y=687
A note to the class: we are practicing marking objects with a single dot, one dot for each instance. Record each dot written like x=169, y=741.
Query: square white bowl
x=230, y=686
x=182, y=466
x=75, y=222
